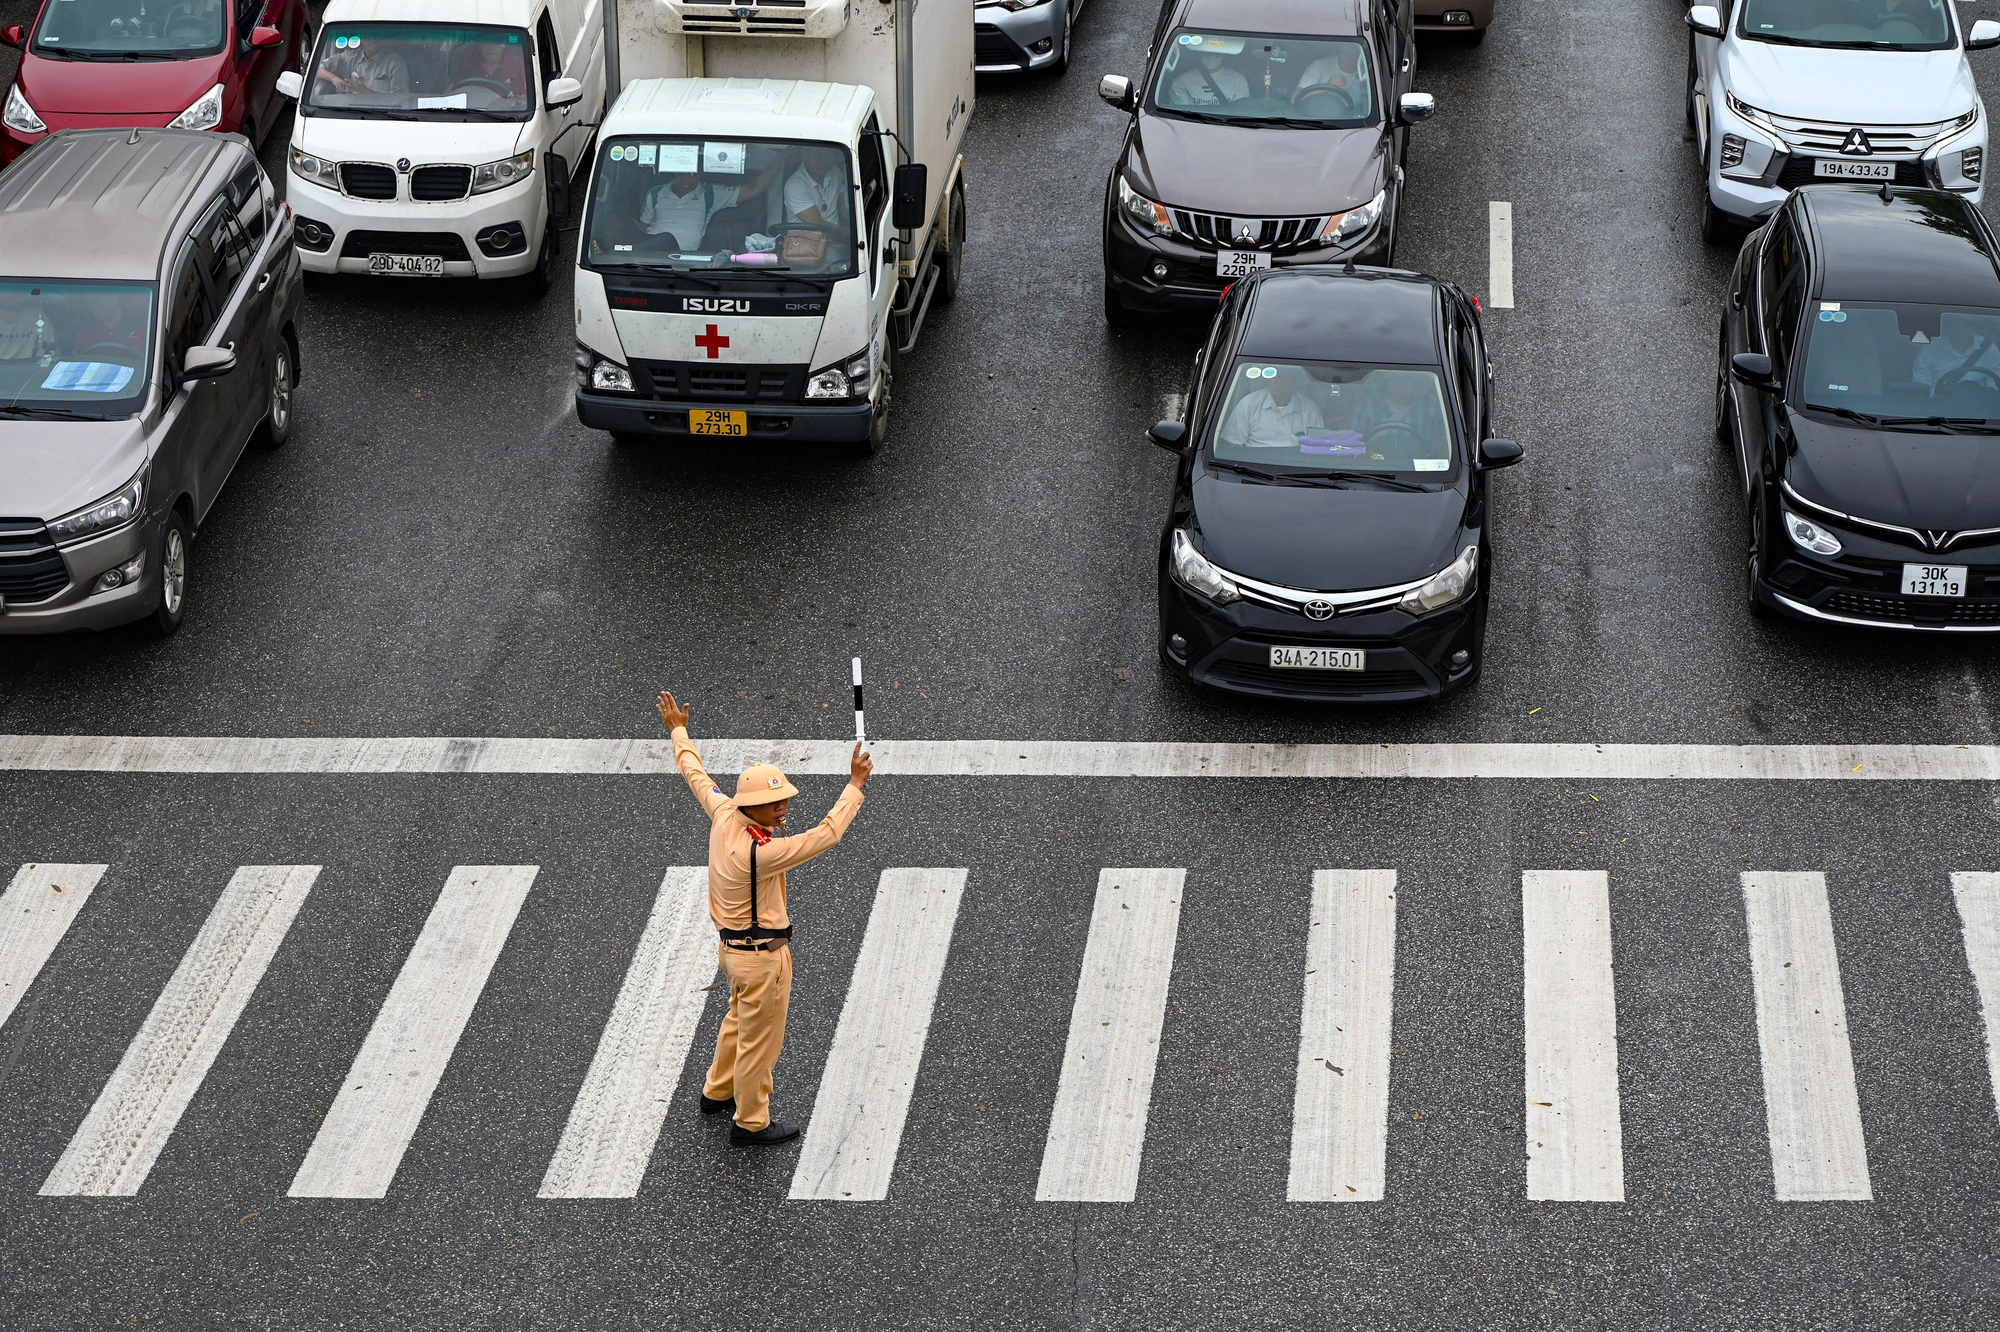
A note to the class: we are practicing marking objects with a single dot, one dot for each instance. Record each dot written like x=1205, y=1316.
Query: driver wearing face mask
x=1209, y=83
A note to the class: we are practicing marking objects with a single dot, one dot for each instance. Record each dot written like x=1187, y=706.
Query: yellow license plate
x=703, y=421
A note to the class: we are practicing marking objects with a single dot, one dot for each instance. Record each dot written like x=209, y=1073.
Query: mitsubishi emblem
x=1857, y=145
x=1319, y=608
x=1246, y=237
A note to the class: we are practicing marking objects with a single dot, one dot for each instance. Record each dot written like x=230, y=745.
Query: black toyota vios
x=1329, y=533
x=1858, y=393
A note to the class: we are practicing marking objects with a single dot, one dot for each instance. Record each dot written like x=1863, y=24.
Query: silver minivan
x=149, y=307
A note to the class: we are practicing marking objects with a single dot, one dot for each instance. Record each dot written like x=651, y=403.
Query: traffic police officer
x=746, y=899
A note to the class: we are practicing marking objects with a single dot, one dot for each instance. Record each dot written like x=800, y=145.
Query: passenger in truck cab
x=366, y=66
x=686, y=204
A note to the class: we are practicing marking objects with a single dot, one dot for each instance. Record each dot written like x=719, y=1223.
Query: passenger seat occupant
x=684, y=205
x=365, y=66
x=1271, y=418
x=24, y=326
x=1209, y=83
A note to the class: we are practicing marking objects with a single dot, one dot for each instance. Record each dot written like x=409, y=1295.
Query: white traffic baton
x=860, y=727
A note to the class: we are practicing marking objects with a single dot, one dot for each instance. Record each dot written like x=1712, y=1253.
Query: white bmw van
x=432, y=133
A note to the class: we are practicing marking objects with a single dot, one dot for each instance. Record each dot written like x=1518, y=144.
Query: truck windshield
x=420, y=71
x=130, y=29
x=743, y=205
x=73, y=348
x=1893, y=25
x=1242, y=76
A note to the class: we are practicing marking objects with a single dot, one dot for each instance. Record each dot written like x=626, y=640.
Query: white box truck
x=778, y=197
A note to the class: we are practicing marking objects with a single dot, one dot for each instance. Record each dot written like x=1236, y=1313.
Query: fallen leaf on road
x=253, y=1216
x=1335, y=1067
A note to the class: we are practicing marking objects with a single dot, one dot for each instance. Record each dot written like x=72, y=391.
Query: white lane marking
x=1818, y=1151
x=119, y=1140
x=1098, y=1128
x=1340, y=1111
x=1500, y=252
x=1978, y=897
x=35, y=912
x=363, y=1137
x=1005, y=758
x=864, y=1095
x=616, y=1119
x=1576, y=1147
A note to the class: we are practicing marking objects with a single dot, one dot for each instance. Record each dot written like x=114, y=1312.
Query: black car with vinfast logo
x=1263, y=133
x=1329, y=534
x=1857, y=393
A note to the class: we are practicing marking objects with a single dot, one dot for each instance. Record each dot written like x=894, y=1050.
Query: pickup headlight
x=1144, y=211
x=1193, y=572
x=112, y=511
x=849, y=379
x=19, y=115
x=206, y=113
x=1353, y=223
x=1810, y=536
x=499, y=175
x=1449, y=584
x=316, y=169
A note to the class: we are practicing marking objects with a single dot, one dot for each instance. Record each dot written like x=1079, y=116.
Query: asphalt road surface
x=443, y=551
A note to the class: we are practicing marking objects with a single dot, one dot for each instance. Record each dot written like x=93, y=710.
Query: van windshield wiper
x=22, y=410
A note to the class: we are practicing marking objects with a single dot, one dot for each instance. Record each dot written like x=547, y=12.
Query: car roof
x=1924, y=246
x=102, y=203
x=757, y=108
x=510, y=13
x=1329, y=18
x=1383, y=317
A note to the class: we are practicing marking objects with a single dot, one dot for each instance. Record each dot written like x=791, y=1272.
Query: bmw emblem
x=1319, y=608
x=403, y=165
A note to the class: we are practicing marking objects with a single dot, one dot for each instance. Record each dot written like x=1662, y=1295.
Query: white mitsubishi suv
x=1784, y=92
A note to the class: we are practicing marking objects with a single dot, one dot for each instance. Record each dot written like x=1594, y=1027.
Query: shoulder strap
x=753, y=881
x=755, y=931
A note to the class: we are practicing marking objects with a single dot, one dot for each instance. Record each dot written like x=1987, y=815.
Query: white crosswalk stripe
x=617, y=1116
x=864, y=1094
x=1818, y=1153
x=1340, y=1110
x=114, y=1150
x=1576, y=1150
x=35, y=913
x=1978, y=898
x=1098, y=1129
x=382, y=1100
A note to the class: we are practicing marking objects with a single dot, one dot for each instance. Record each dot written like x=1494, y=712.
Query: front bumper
x=1771, y=170
x=1191, y=282
x=355, y=228
x=1862, y=586
x=844, y=423
x=76, y=606
x=1023, y=39
x=1409, y=656
x=1430, y=15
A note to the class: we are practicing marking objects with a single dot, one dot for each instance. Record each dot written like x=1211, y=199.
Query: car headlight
x=1015, y=6
x=109, y=512
x=1808, y=535
x=1449, y=584
x=611, y=377
x=19, y=115
x=1142, y=210
x=206, y=113
x=849, y=379
x=1193, y=572
x=1354, y=222
x=1746, y=112
x=499, y=175
x=316, y=169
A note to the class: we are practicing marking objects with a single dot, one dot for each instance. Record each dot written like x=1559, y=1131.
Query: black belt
x=737, y=938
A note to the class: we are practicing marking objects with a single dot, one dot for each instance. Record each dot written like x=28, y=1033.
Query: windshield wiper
x=23, y=410
x=482, y=112
x=1205, y=117
x=1865, y=418
x=1779, y=40
x=1242, y=470
x=1376, y=477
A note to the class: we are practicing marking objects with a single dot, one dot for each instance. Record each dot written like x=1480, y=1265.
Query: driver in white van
x=814, y=192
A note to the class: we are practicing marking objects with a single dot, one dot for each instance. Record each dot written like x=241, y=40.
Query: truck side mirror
x=556, y=168
x=1498, y=453
x=1413, y=107
x=912, y=196
x=1168, y=435
x=290, y=84
x=1116, y=89
x=1706, y=20
x=207, y=363
x=1984, y=34
x=562, y=92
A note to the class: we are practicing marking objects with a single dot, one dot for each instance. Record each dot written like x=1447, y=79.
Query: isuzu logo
x=1319, y=608
x=713, y=305
x=1857, y=145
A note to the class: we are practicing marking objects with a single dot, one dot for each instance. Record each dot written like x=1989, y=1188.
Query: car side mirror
x=561, y=92
x=1415, y=107
x=14, y=35
x=263, y=38
x=1706, y=20
x=1984, y=35
x=207, y=363
x=1168, y=435
x=290, y=84
x=912, y=195
x=1116, y=89
x=556, y=168
x=1497, y=453
x=1754, y=369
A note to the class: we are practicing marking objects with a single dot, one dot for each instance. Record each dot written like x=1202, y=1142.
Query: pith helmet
x=762, y=784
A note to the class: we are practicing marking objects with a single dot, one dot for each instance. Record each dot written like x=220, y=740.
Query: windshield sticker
x=1918, y=336
x=1829, y=305
x=1833, y=316
x=1252, y=371
x=647, y=152
x=450, y=102
x=1220, y=45
x=724, y=159
x=1344, y=443
x=88, y=377
x=680, y=157
x=1430, y=464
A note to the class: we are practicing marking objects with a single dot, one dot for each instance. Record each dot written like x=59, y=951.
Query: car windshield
x=741, y=205
x=1896, y=25
x=426, y=71
x=130, y=29
x=74, y=348
x=1334, y=416
x=1241, y=76
x=1909, y=363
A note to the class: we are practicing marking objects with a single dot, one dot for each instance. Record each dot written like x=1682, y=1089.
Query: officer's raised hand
x=859, y=768
x=672, y=713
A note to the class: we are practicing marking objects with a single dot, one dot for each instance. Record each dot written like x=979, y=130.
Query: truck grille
x=694, y=380
x=440, y=184
x=366, y=180
x=31, y=568
x=1215, y=232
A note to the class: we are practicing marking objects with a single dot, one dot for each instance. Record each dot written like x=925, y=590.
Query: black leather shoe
x=763, y=1137
x=709, y=1107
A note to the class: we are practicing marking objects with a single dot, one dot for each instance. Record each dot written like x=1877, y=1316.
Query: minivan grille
x=365, y=180
x=1267, y=233
x=446, y=245
x=31, y=568
x=437, y=184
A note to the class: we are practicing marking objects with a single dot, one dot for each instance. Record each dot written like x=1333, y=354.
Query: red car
x=192, y=64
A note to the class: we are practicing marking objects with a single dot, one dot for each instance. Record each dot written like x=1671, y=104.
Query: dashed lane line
x=1500, y=255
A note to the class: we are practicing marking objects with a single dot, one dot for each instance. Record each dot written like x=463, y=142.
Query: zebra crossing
x=1095, y=1141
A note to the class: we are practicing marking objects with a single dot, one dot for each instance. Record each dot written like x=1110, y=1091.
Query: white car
x=1784, y=92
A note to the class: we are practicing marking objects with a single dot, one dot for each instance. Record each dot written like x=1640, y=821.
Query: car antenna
x=1347, y=269
x=1888, y=195
x=135, y=136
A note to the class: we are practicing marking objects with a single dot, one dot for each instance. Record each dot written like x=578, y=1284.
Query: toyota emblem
x=403, y=165
x=1319, y=608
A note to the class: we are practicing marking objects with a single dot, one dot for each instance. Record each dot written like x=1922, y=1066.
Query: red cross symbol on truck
x=712, y=342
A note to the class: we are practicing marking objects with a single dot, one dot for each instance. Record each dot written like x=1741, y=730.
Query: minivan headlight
x=1810, y=536
x=499, y=175
x=1144, y=211
x=1449, y=584
x=849, y=379
x=19, y=115
x=1354, y=222
x=1193, y=572
x=316, y=169
x=206, y=113
x=109, y=512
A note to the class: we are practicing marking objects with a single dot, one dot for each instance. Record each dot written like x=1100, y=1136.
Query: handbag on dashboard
x=803, y=249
